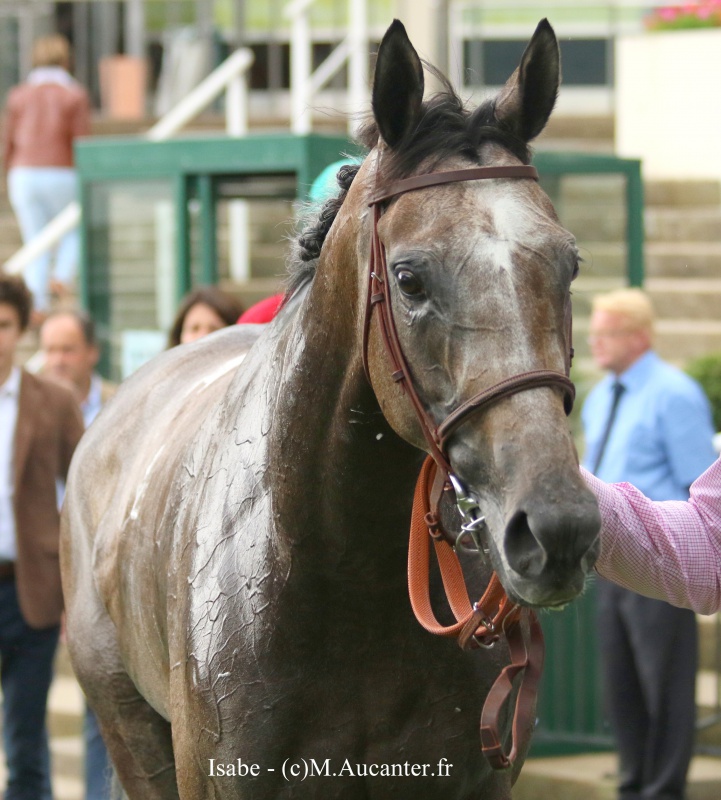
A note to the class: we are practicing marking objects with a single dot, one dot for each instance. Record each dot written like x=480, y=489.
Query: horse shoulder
x=122, y=497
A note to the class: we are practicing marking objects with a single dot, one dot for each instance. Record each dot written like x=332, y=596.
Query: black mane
x=446, y=129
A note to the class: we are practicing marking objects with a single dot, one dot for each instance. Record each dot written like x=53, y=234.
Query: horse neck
x=339, y=458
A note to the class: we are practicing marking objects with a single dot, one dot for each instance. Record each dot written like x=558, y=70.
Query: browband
x=452, y=176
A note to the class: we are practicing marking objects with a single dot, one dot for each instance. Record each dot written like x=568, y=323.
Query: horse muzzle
x=547, y=552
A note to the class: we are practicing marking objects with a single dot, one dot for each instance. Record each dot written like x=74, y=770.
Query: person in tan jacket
x=40, y=426
x=43, y=116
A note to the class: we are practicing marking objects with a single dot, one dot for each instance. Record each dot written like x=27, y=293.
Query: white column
x=300, y=63
x=420, y=19
x=236, y=124
x=135, y=28
x=358, y=66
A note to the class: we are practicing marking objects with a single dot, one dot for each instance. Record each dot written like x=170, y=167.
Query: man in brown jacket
x=40, y=425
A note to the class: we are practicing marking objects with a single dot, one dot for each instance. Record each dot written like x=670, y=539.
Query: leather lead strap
x=494, y=607
x=530, y=663
x=480, y=624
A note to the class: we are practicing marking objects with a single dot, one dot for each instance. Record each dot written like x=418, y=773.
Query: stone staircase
x=683, y=259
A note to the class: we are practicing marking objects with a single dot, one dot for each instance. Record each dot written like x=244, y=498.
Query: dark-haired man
x=40, y=425
x=70, y=354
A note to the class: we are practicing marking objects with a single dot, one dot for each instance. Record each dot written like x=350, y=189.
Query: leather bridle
x=378, y=294
x=493, y=614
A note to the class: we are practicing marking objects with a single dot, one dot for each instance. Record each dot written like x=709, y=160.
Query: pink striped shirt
x=670, y=550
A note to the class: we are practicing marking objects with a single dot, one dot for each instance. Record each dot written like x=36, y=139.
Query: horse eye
x=409, y=284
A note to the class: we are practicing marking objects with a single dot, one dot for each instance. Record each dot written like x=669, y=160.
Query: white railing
x=230, y=77
x=304, y=84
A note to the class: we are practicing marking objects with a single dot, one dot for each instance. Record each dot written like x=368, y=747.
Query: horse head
x=479, y=275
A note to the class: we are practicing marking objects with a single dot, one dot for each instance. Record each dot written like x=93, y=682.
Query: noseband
x=493, y=614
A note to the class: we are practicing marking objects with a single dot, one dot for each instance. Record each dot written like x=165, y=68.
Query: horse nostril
x=523, y=551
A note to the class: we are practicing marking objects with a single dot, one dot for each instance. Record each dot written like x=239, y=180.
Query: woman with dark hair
x=204, y=310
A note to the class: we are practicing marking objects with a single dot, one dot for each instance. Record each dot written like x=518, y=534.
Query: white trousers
x=37, y=195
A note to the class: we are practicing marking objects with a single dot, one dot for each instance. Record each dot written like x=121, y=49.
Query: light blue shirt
x=661, y=437
x=90, y=407
x=9, y=399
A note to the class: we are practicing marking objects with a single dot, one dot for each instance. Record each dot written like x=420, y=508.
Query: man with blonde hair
x=649, y=424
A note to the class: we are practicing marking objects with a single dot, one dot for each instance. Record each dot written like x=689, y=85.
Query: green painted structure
x=201, y=169
x=273, y=165
x=185, y=179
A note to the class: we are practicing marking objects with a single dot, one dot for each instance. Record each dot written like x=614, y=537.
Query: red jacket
x=41, y=122
x=261, y=312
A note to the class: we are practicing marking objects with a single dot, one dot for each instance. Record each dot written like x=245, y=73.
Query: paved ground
x=65, y=714
x=592, y=777
x=587, y=777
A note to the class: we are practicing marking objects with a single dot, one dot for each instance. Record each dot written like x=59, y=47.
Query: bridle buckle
x=473, y=524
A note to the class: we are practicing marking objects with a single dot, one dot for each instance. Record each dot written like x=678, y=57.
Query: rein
x=493, y=615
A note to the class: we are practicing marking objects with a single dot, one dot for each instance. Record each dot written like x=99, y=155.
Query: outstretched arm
x=670, y=550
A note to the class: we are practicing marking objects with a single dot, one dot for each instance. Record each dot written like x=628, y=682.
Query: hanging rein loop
x=477, y=625
x=493, y=615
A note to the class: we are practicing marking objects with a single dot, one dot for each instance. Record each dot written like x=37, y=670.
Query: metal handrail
x=230, y=76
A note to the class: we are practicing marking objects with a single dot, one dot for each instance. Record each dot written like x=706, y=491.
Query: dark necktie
x=618, y=390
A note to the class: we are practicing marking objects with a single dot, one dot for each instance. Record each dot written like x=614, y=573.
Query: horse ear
x=526, y=101
x=397, y=85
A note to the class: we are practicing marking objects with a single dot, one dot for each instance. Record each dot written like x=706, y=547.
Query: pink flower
x=669, y=13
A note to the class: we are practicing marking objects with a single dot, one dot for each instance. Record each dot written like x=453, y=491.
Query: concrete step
x=683, y=259
x=66, y=706
x=699, y=224
x=682, y=193
x=586, y=287
x=254, y=290
x=602, y=259
x=585, y=127
x=593, y=777
x=708, y=629
x=690, y=298
x=677, y=340
x=578, y=144
x=602, y=190
x=585, y=222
